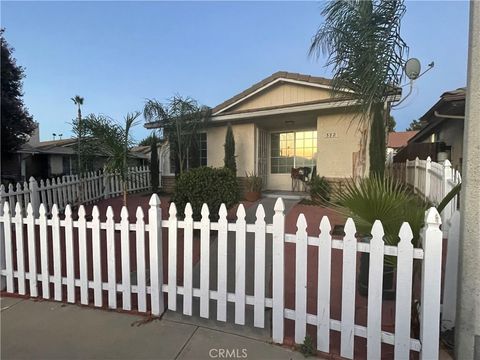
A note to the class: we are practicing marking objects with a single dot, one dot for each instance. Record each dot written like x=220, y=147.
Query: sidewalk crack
x=186, y=342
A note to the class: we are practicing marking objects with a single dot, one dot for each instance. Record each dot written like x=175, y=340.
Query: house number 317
x=331, y=135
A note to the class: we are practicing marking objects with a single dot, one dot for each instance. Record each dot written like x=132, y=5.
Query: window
x=196, y=156
x=293, y=149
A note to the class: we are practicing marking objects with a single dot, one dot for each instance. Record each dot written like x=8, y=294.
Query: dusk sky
x=117, y=54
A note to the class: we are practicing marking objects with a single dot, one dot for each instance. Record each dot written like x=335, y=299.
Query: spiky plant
x=181, y=119
x=383, y=199
x=114, y=141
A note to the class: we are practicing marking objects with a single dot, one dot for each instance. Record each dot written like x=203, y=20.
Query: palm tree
x=114, y=141
x=180, y=120
x=362, y=42
x=78, y=100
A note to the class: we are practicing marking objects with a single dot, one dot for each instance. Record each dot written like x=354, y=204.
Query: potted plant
x=384, y=199
x=253, y=184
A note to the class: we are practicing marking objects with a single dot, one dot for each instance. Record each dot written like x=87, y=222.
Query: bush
x=320, y=189
x=212, y=186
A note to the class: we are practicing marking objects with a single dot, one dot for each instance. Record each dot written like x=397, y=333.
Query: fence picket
x=19, y=251
x=19, y=197
x=44, y=252
x=172, y=257
x=96, y=258
x=125, y=249
x=404, y=292
x=431, y=237
x=222, y=264
x=375, y=285
x=7, y=227
x=141, y=276
x=259, y=269
x=240, y=248
x=205, y=262
x=112, y=278
x=188, y=260
x=3, y=266
x=348, y=289
x=323, y=290
x=49, y=195
x=57, y=265
x=301, y=280
x=278, y=271
x=32, y=251
x=70, y=258
x=82, y=251
x=156, y=255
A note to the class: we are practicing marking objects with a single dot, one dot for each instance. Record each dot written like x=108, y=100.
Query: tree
x=363, y=44
x=17, y=123
x=414, y=125
x=149, y=140
x=78, y=100
x=377, y=141
x=180, y=119
x=154, y=166
x=391, y=123
x=229, y=146
x=114, y=141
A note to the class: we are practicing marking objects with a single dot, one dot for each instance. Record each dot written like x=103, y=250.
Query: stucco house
x=52, y=158
x=286, y=120
x=442, y=135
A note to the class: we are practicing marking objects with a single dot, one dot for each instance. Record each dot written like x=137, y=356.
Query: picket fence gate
x=86, y=188
x=19, y=237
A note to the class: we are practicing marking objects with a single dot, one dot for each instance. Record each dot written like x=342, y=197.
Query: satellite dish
x=412, y=68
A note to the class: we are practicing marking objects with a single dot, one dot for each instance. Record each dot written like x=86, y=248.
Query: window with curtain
x=292, y=149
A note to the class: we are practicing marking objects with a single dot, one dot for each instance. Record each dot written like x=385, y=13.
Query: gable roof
x=450, y=103
x=274, y=78
x=399, y=139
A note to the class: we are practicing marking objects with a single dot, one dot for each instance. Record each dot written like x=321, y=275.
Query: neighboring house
x=48, y=159
x=442, y=135
x=397, y=140
x=287, y=121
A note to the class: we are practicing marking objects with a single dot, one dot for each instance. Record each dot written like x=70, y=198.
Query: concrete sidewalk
x=52, y=330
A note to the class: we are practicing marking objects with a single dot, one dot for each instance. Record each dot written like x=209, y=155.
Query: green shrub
x=212, y=186
x=320, y=189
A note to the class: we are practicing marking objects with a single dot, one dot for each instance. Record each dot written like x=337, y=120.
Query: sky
x=116, y=54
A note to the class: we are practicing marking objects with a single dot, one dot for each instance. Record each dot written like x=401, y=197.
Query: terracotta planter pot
x=252, y=195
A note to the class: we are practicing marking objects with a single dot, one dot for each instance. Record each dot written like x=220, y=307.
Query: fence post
x=428, y=166
x=415, y=176
x=451, y=271
x=2, y=240
x=278, y=271
x=447, y=186
x=106, y=183
x=34, y=196
x=431, y=237
x=156, y=257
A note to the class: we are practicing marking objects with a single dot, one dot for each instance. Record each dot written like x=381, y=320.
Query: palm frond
x=364, y=48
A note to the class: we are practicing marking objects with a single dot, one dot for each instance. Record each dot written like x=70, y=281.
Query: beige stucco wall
x=244, y=135
x=283, y=94
x=338, y=138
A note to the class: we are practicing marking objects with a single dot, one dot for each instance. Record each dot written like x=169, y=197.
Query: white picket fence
x=20, y=235
x=431, y=180
x=73, y=189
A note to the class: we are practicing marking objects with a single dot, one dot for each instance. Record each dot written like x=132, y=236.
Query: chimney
x=35, y=137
